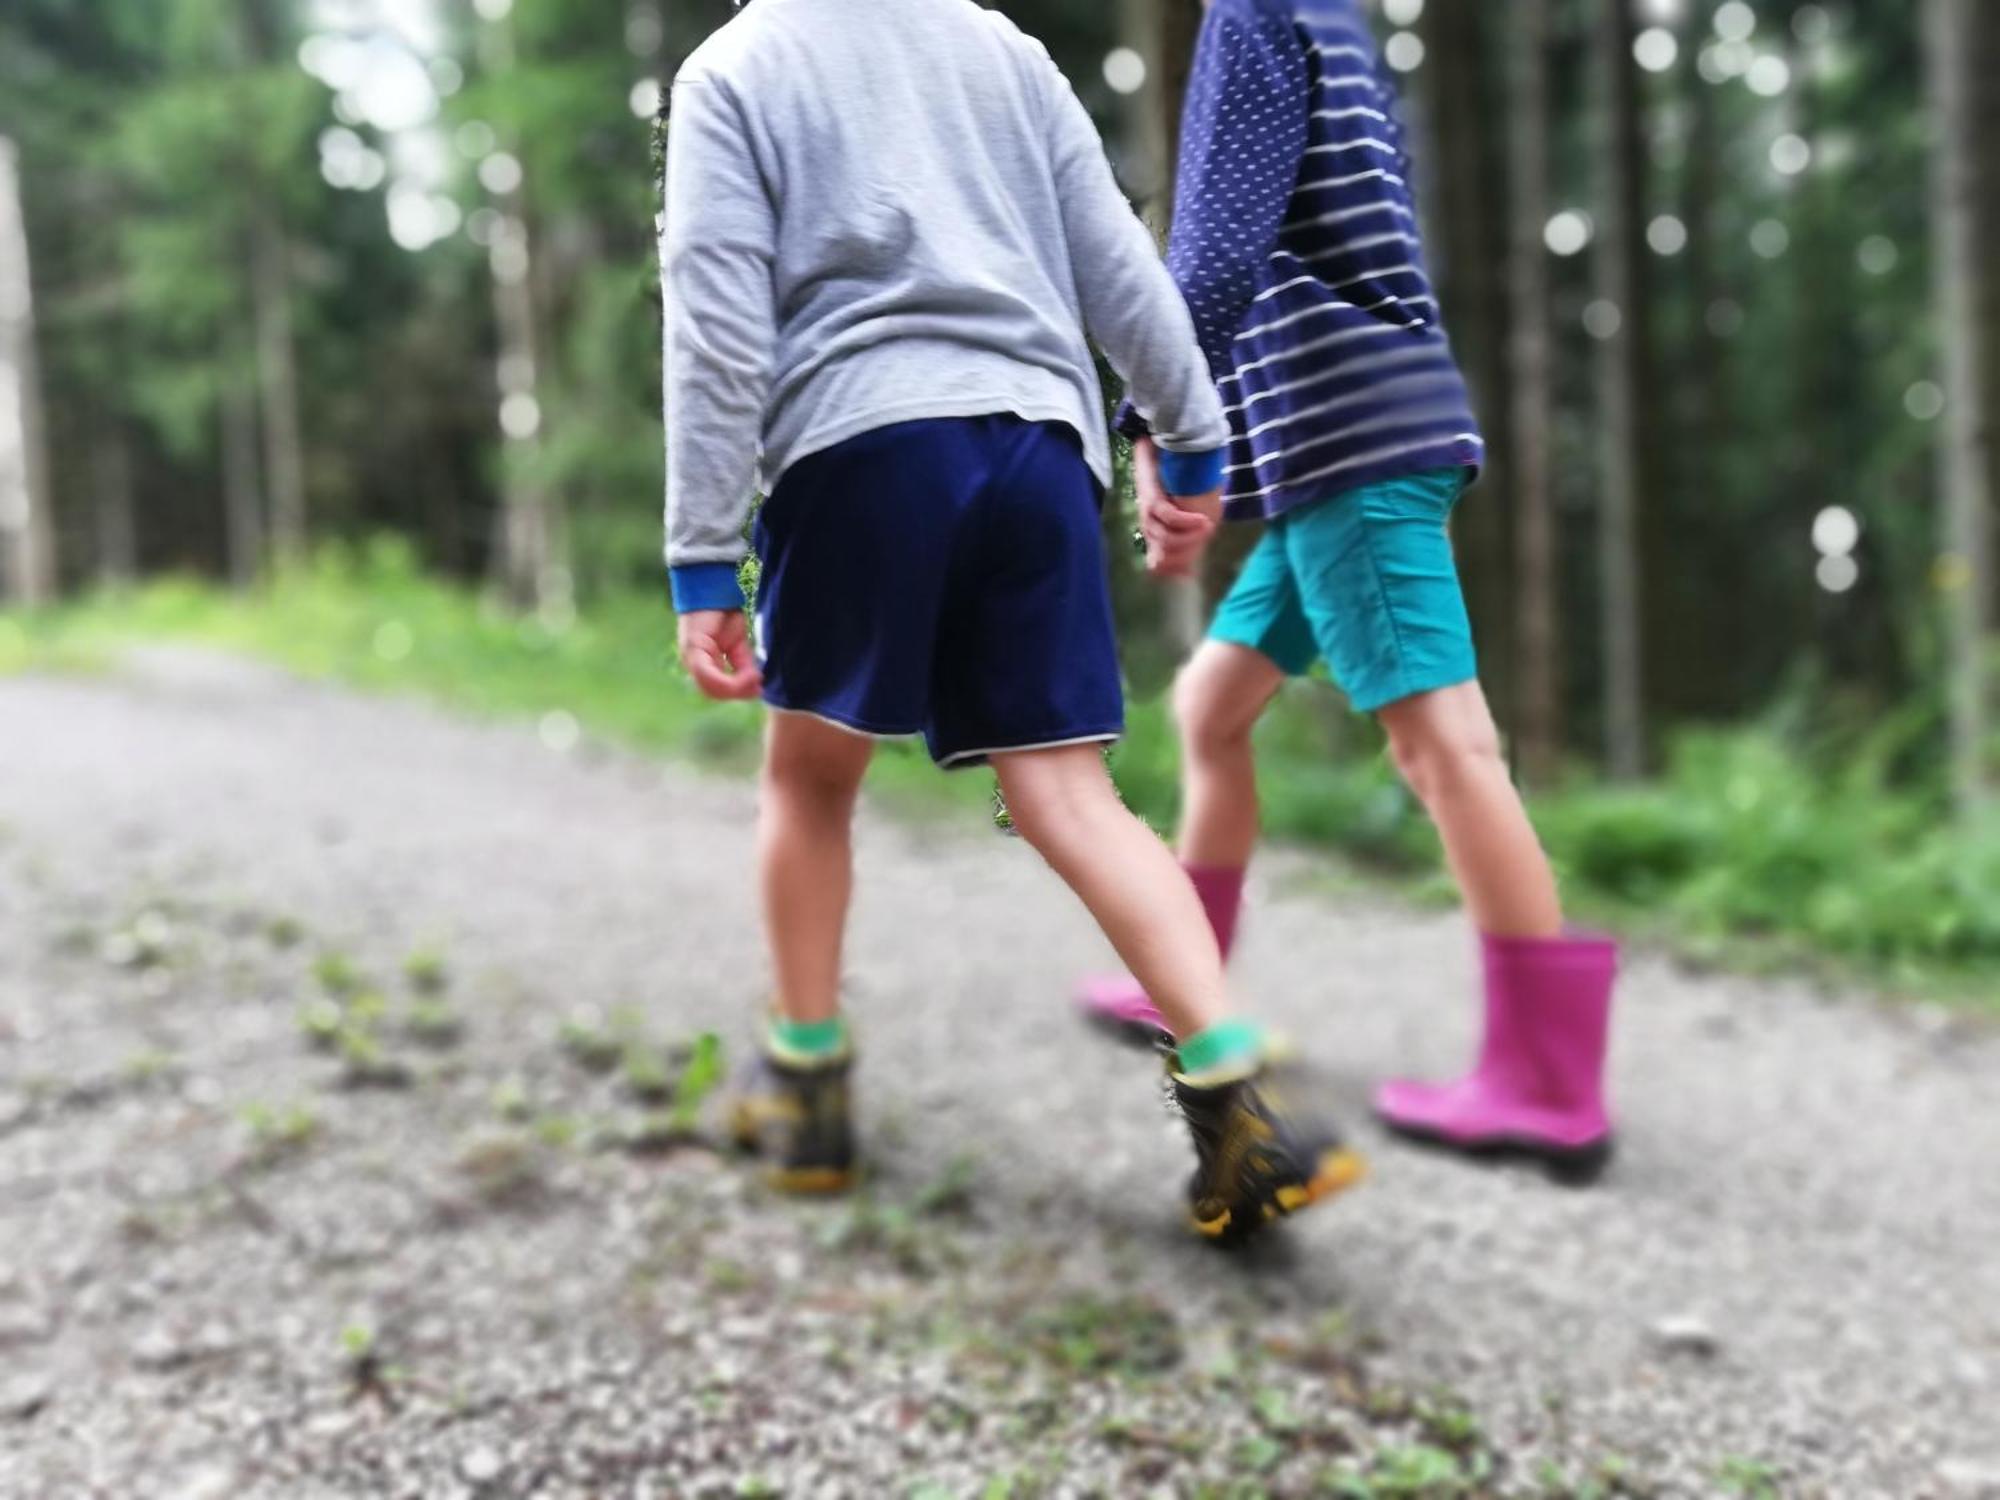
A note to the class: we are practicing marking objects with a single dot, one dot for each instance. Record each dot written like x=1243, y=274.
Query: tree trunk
x=1180, y=29
x=242, y=500
x=1699, y=406
x=27, y=529
x=117, y=532
x=1529, y=366
x=1145, y=129
x=1623, y=362
x=1964, y=306
x=530, y=560
x=259, y=37
x=278, y=387
x=1469, y=207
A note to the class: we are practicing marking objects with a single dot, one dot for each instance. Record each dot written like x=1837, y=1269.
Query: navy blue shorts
x=943, y=578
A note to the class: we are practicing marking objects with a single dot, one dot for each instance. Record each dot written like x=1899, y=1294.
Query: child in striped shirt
x=1296, y=245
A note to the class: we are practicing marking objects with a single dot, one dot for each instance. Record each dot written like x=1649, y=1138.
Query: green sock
x=809, y=1040
x=1227, y=1046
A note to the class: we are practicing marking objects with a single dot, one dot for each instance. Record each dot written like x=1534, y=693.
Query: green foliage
x=1750, y=1478
x=366, y=1064
x=320, y=1023
x=337, y=974
x=699, y=1079
x=1090, y=1334
x=427, y=972
x=953, y=1191
x=648, y=1077
x=277, y=1133
x=284, y=932
x=1412, y=1472
x=1747, y=836
x=433, y=1023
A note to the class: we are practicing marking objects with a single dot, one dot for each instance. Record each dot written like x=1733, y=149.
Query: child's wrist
x=1187, y=475
x=702, y=586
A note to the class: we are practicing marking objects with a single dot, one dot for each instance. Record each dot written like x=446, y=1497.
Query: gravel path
x=234, y=1265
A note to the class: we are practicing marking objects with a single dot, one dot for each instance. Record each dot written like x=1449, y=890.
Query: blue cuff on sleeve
x=1191, y=473
x=705, y=586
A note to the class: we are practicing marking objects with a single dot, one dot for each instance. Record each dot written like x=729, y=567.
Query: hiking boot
x=796, y=1117
x=1259, y=1158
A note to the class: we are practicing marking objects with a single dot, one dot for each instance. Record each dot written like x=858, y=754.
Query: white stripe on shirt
x=1393, y=359
x=1366, y=143
x=1418, y=380
x=1330, y=183
x=1342, y=215
x=1324, y=307
x=1408, y=268
x=1387, y=422
x=1284, y=286
x=1344, y=336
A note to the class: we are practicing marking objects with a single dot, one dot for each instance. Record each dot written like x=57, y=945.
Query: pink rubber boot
x=1538, y=1091
x=1118, y=1004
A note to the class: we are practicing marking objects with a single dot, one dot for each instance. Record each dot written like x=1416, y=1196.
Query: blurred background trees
x=1722, y=274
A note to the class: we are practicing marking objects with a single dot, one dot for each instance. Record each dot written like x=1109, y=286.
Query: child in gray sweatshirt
x=890, y=235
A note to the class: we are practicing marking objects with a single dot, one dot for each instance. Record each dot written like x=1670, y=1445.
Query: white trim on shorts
x=959, y=757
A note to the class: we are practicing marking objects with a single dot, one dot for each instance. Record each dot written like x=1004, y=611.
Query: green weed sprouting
x=336, y=974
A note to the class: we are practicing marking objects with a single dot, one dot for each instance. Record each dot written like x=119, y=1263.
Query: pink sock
x=1221, y=892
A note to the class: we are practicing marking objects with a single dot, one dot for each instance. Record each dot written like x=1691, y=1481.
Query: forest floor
x=338, y=1158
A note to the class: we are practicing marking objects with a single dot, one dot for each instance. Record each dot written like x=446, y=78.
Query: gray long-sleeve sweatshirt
x=885, y=210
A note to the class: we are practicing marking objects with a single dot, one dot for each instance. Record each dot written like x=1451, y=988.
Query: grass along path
x=1748, y=853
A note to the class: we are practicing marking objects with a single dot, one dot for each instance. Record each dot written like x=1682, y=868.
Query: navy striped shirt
x=1296, y=245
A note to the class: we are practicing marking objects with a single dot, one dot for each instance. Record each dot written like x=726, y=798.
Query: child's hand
x=1177, y=528
x=715, y=648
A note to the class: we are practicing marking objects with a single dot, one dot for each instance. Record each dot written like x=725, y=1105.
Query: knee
x=1434, y=755
x=1041, y=812
x=812, y=786
x=1210, y=724
x=1058, y=796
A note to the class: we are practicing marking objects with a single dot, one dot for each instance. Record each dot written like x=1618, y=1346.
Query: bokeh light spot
x=1790, y=154
x=1656, y=49
x=1405, y=52
x=1878, y=255
x=1568, y=233
x=1836, y=531
x=1667, y=235
x=1837, y=574
x=1770, y=239
x=1924, y=401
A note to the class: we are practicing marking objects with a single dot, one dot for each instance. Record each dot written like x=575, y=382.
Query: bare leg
x=1448, y=749
x=1064, y=804
x=812, y=774
x=1218, y=699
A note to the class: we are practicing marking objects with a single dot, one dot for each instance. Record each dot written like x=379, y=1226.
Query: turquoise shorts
x=1366, y=580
